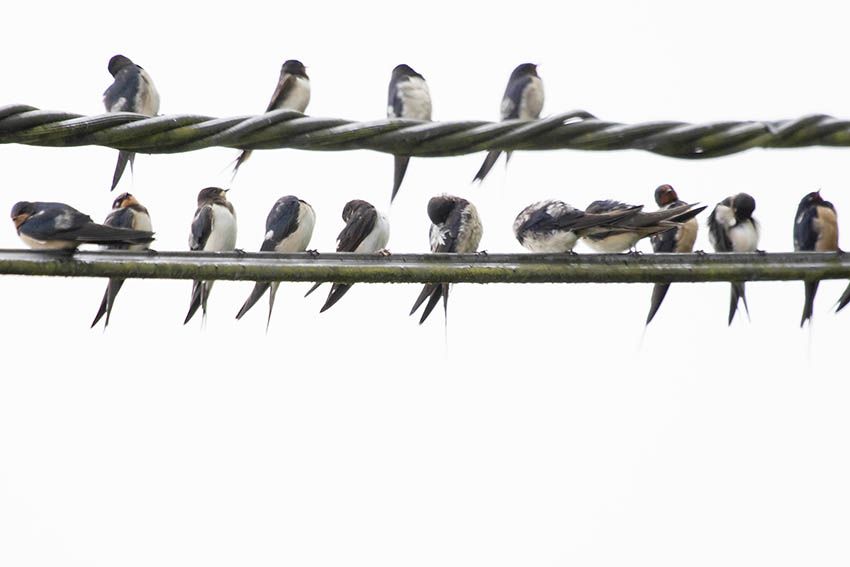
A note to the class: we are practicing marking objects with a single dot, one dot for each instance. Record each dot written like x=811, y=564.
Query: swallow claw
x=312, y=253
x=383, y=252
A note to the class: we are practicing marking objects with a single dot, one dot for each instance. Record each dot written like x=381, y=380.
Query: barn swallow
x=523, y=100
x=732, y=228
x=408, y=98
x=127, y=212
x=132, y=90
x=456, y=227
x=213, y=230
x=555, y=227
x=292, y=92
x=625, y=233
x=366, y=231
x=289, y=228
x=815, y=229
x=679, y=239
x=57, y=226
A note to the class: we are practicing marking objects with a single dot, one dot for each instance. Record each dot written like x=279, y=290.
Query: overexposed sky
x=548, y=430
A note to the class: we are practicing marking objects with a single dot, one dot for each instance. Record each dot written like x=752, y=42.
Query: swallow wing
x=201, y=228
x=284, y=88
x=359, y=226
x=281, y=222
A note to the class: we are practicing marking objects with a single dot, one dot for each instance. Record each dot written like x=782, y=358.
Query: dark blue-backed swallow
x=127, y=212
x=213, y=230
x=680, y=239
x=57, y=226
x=815, y=229
x=624, y=234
x=289, y=228
x=523, y=100
x=554, y=226
x=132, y=90
x=292, y=92
x=408, y=98
x=732, y=228
x=366, y=231
x=456, y=227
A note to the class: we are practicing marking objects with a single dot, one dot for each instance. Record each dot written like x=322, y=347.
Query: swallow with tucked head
x=409, y=97
x=292, y=92
x=213, y=230
x=732, y=228
x=128, y=213
x=366, y=231
x=456, y=227
x=523, y=100
x=289, y=228
x=132, y=90
x=815, y=229
x=679, y=239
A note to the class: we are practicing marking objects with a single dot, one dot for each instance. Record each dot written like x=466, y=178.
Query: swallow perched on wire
x=625, y=233
x=132, y=90
x=366, y=231
x=289, y=228
x=213, y=230
x=732, y=228
x=292, y=92
x=679, y=239
x=554, y=226
x=456, y=227
x=57, y=226
x=523, y=100
x=127, y=212
x=815, y=229
x=408, y=98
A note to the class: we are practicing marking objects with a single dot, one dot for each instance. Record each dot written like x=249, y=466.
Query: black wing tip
x=336, y=293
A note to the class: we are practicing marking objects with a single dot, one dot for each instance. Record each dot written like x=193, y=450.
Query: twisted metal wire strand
x=580, y=130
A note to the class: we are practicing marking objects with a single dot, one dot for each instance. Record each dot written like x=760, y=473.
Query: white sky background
x=546, y=433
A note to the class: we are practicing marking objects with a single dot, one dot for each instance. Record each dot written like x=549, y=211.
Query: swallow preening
x=366, y=231
x=732, y=228
x=132, y=90
x=523, y=100
x=408, y=97
x=455, y=227
x=126, y=213
x=815, y=229
x=289, y=228
x=213, y=230
x=292, y=92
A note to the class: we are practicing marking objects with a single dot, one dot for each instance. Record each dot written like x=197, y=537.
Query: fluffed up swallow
x=292, y=92
x=815, y=229
x=289, y=228
x=213, y=230
x=523, y=100
x=408, y=98
x=366, y=231
x=127, y=212
x=57, y=226
x=625, y=234
x=456, y=227
x=555, y=227
x=732, y=228
x=679, y=239
x=132, y=90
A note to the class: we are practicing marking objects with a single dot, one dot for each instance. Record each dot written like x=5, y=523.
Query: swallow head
x=352, y=207
x=743, y=204
x=812, y=199
x=21, y=211
x=117, y=63
x=212, y=195
x=402, y=71
x=440, y=207
x=294, y=67
x=123, y=201
x=665, y=194
x=524, y=70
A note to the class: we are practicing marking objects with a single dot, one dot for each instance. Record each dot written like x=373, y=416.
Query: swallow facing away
x=213, y=230
x=366, y=231
x=555, y=227
x=292, y=92
x=732, y=228
x=523, y=100
x=679, y=239
x=57, y=226
x=132, y=90
x=625, y=234
x=289, y=228
x=127, y=212
x=815, y=229
x=408, y=98
x=456, y=227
